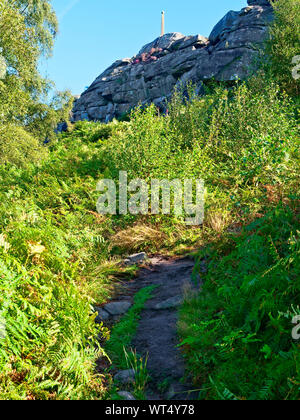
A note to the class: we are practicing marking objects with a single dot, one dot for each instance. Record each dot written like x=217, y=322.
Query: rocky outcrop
x=175, y=59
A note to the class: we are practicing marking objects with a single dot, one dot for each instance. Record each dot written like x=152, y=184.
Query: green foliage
x=49, y=346
x=147, y=148
x=284, y=44
x=27, y=29
x=19, y=50
x=39, y=16
x=247, y=152
x=44, y=118
x=56, y=251
x=237, y=332
x=95, y=132
x=53, y=263
x=232, y=138
x=18, y=147
x=141, y=378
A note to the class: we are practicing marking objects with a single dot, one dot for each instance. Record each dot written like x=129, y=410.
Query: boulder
x=127, y=396
x=135, y=259
x=224, y=25
x=171, y=303
x=164, y=42
x=125, y=377
x=174, y=60
x=102, y=315
x=117, y=308
x=259, y=2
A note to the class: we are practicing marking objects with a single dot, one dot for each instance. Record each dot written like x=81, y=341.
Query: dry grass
x=218, y=221
x=140, y=237
x=102, y=281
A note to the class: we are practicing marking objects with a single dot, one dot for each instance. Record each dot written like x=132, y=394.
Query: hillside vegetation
x=58, y=257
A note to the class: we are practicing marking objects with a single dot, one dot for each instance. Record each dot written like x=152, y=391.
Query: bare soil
x=157, y=331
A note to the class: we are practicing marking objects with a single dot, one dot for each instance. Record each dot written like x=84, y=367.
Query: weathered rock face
x=175, y=59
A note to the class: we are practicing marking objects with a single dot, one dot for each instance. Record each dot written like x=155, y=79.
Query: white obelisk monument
x=162, y=23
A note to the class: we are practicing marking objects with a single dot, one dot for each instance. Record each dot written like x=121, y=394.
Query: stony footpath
x=156, y=336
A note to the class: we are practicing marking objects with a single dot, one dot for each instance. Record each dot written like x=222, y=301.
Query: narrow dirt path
x=157, y=331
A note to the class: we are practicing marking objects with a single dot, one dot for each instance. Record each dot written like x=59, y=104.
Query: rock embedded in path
x=136, y=259
x=117, y=308
x=171, y=303
x=102, y=315
x=125, y=377
x=126, y=395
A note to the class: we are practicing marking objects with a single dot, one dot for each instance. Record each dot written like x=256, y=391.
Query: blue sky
x=95, y=33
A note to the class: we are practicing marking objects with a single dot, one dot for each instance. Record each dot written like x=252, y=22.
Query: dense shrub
x=237, y=333
x=95, y=132
x=284, y=44
x=18, y=147
x=52, y=252
x=47, y=352
x=238, y=140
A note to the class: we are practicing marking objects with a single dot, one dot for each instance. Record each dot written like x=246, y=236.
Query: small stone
x=136, y=259
x=117, y=308
x=125, y=376
x=102, y=315
x=126, y=396
x=173, y=302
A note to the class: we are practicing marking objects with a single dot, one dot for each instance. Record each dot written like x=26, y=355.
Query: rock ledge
x=175, y=59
